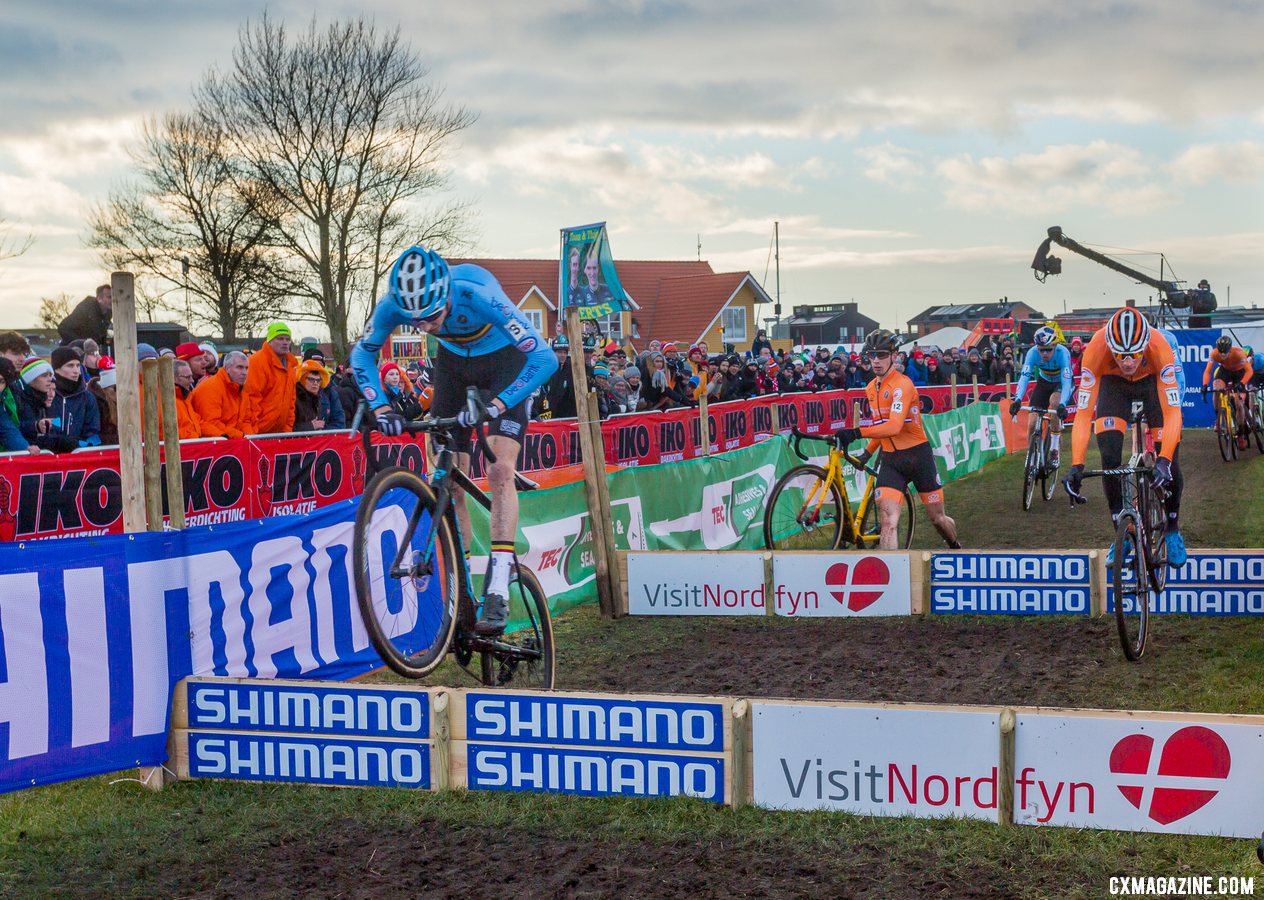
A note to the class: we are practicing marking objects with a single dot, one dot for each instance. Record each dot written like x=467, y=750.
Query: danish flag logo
x=868, y=581
x=1179, y=780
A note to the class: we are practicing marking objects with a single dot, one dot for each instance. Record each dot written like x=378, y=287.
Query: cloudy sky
x=913, y=152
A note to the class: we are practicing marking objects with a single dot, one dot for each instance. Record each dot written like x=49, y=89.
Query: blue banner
x=95, y=632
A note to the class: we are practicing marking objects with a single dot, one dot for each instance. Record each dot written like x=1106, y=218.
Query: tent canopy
x=951, y=337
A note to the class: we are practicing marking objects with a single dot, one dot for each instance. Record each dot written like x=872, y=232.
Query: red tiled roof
x=678, y=299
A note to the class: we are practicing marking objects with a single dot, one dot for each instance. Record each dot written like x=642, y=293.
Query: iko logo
x=868, y=581
x=1182, y=780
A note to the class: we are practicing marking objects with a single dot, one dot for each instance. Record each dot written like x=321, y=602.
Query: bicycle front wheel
x=1257, y=429
x=407, y=610
x=871, y=526
x=805, y=511
x=523, y=657
x=1029, y=475
x=1131, y=583
x=1049, y=478
x=1224, y=435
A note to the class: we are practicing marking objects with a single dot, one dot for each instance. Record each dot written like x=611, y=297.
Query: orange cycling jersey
x=896, y=411
x=1235, y=360
x=1158, y=363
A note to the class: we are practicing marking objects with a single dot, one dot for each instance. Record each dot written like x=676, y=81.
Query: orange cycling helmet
x=1127, y=332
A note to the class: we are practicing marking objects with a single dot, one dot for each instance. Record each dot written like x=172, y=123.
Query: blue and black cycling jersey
x=481, y=320
x=1056, y=367
x=1176, y=355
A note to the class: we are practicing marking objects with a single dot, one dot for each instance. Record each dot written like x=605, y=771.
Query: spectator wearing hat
x=91, y=352
x=217, y=400
x=760, y=343
x=331, y=411
x=16, y=350
x=211, y=354
x=73, y=406
x=632, y=376
x=195, y=357
x=399, y=391
x=659, y=389
x=11, y=438
x=311, y=381
x=104, y=389
x=934, y=370
x=916, y=369
x=559, y=390
x=89, y=319
x=33, y=402
x=267, y=399
x=1077, y=356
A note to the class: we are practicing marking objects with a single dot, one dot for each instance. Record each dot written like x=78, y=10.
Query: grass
x=104, y=836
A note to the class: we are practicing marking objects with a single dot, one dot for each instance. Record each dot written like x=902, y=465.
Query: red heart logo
x=1191, y=752
x=870, y=571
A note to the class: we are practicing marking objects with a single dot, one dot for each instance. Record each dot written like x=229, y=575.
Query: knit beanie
x=35, y=367
x=63, y=355
x=631, y=372
x=108, y=376
x=275, y=330
x=146, y=351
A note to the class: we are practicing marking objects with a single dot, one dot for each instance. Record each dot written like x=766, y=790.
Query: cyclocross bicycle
x=1037, y=467
x=413, y=581
x=808, y=508
x=1227, y=426
x=1139, y=570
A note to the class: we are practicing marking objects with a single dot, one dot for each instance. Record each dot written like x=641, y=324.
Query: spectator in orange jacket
x=267, y=399
x=186, y=415
x=196, y=358
x=217, y=400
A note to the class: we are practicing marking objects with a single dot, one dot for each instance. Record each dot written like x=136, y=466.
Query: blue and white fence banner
x=1011, y=583
x=1211, y=583
x=95, y=632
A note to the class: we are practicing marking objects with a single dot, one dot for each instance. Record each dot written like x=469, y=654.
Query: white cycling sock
x=1056, y=441
x=498, y=570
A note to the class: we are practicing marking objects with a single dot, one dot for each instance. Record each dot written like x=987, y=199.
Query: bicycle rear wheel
x=871, y=526
x=804, y=512
x=1224, y=436
x=1156, y=539
x=1132, y=594
x=409, y=614
x=1257, y=427
x=523, y=657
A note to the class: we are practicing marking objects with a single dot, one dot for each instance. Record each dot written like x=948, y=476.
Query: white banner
x=696, y=584
x=873, y=760
x=842, y=584
x=1188, y=775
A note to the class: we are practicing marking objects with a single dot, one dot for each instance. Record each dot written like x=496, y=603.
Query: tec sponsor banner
x=966, y=439
x=1181, y=773
x=696, y=584
x=1011, y=583
x=88, y=671
x=595, y=745
x=842, y=584
x=1211, y=583
x=876, y=760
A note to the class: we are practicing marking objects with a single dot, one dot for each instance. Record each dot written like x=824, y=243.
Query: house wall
x=744, y=299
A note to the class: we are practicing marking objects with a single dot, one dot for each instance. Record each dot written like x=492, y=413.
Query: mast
x=776, y=239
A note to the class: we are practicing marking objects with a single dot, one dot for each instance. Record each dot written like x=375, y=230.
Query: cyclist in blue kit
x=1050, y=363
x=484, y=342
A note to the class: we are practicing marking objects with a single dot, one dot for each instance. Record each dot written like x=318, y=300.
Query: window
x=612, y=326
x=734, y=321
x=536, y=318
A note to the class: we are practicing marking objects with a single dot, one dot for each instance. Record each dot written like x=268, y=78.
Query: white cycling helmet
x=420, y=282
x=1044, y=336
x=1127, y=332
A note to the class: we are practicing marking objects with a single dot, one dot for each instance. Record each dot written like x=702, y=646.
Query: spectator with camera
x=34, y=401
x=660, y=390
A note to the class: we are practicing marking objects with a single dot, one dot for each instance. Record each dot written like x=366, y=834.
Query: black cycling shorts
x=1043, y=391
x=491, y=373
x=914, y=465
x=1116, y=396
x=1228, y=376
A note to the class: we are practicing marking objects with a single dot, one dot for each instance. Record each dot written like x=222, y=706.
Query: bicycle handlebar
x=832, y=439
x=445, y=426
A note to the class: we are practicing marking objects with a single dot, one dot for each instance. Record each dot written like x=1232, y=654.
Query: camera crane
x=1199, y=301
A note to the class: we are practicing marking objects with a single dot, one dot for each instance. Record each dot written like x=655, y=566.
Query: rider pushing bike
x=1126, y=362
x=1050, y=362
x=484, y=342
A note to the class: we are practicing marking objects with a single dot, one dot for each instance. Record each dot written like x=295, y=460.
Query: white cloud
x=891, y=164
x=38, y=196
x=75, y=148
x=804, y=228
x=1239, y=162
x=1100, y=175
x=823, y=257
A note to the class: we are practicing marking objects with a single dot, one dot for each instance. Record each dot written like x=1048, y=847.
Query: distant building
x=968, y=315
x=825, y=324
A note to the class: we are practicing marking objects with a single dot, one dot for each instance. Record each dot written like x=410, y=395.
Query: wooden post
x=739, y=789
x=152, y=450
x=776, y=416
x=975, y=380
x=1005, y=772
x=770, y=598
x=703, y=420
x=441, y=743
x=952, y=393
x=603, y=522
x=167, y=400
x=131, y=467
x=594, y=464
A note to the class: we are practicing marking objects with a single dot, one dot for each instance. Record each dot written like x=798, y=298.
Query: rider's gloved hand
x=847, y=436
x=1204, y=392
x=1062, y=411
x=467, y=418
x=389, y=422
x=1075, y=480
x=1162, y=472
x=1014, y=406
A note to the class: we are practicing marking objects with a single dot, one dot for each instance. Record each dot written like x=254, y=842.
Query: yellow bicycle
x=809, y=509
x=1227, y=427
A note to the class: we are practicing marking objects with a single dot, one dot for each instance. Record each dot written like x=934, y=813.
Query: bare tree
x=188, y=226
x=341, y=137
x=12, y=246
x=52, y=310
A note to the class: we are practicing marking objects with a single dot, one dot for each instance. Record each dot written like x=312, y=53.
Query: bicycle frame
x=834, y=475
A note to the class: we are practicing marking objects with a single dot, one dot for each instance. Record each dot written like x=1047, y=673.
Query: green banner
x=588, y=279
x=710, y=503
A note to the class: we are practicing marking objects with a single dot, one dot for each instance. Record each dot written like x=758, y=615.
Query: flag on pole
x=588, y=279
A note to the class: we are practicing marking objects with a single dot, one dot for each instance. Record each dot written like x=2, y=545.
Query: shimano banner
x=95, y=632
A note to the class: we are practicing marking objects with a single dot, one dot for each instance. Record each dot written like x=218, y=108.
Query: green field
x=108, y=836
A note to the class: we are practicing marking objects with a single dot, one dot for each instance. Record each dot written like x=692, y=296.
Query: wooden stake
x=975, y=380
x=740, y=789
x=440, y=743
x=704, y=420
x=1005, y=771
x=131, y=467
x=603, y=522
x=152, y=451
x=175, y=481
